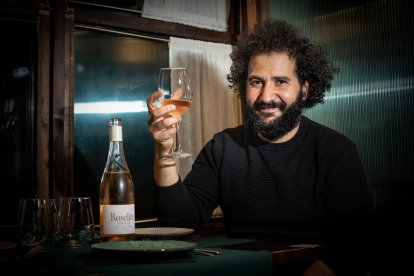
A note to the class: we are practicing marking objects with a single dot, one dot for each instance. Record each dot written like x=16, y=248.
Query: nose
x=268, y=93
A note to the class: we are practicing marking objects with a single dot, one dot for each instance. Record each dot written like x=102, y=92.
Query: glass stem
x=177, y=147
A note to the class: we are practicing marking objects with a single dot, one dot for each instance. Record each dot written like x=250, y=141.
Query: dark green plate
x=146, y=246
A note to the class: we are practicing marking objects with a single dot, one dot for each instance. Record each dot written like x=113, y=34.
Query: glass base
x=183, y=155
x=178, y=154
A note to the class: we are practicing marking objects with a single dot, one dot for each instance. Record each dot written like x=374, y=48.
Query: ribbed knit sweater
x=310, y=189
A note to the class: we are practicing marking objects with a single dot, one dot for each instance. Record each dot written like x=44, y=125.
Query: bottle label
x=118, y=219
x=115, y=133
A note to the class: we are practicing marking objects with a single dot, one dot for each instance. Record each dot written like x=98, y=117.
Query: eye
x=255, y=82
x=280, y=82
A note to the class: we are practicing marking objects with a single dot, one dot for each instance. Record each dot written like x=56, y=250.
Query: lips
x=268, y=110
x=269, y=107
x=266, y=113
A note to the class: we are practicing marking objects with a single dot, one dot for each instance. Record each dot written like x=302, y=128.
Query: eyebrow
x=253, y=77
x=286, y=78
x=273, y=78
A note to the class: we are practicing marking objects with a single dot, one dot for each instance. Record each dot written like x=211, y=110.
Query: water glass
x=75, y=221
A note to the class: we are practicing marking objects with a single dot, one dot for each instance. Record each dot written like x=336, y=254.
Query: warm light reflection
x=110, y=107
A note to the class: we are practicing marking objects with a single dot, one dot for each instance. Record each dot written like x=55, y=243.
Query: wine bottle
x=116, y=193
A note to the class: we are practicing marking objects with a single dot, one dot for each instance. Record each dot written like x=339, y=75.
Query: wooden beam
x=132, y=21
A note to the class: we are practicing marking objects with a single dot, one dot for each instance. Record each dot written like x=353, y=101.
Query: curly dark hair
x=312, y=63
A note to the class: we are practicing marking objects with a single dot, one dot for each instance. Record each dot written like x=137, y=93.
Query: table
x=238, y=257
x=83, y=261
x=282, y=253
x=288, y=259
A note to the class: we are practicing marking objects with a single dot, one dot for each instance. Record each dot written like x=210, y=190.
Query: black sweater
x=309, y=189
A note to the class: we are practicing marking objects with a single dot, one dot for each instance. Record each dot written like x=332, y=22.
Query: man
x=279, y=176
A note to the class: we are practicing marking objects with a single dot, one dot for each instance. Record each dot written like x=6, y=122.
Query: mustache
x=257, y=106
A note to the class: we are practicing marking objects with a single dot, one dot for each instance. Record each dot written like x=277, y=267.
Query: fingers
x=159, y=114
x=163, y=131
x=152, y=100
x=155, y=113
x=160, y=123
x=164, y=136
x=178, y=93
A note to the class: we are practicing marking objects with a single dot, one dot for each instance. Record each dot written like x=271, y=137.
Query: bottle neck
x=115, y=134
x=116, y=161
x=116, y=147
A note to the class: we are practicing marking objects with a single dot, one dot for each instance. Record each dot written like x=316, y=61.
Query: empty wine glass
x=175, y=84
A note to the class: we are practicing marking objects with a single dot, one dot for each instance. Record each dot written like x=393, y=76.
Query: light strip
x=110, y=107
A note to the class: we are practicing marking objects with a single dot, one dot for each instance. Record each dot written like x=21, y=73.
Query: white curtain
x=209, y=14
x=214, y=106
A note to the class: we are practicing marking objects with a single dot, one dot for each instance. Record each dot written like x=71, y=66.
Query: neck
x=284, y=138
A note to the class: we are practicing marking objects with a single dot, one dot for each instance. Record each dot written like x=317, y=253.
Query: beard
x=279, y=126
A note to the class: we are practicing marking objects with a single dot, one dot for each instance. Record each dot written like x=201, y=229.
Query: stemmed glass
x=175, y=84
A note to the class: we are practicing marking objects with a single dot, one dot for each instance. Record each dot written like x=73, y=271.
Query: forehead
x=279, y=63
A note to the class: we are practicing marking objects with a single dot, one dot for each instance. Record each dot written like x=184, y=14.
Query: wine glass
x=175, y=84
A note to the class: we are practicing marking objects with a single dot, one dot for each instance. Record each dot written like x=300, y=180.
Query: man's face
x=274, y=97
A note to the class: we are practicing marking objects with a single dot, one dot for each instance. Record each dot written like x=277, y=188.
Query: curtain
x=214, y=106
x=210, y=14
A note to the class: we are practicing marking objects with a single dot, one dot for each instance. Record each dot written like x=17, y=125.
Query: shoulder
x=227, y=140
x=328, y=142
x=223, y=144
x=324, y=134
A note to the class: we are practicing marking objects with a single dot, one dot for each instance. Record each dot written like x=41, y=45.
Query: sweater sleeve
x=190, y=203
x=173, y=205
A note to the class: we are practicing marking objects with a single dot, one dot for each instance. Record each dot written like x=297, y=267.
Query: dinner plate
x=146, y=246
x=162, y=232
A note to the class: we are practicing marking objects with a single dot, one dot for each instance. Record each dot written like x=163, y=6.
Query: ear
x=305, y=90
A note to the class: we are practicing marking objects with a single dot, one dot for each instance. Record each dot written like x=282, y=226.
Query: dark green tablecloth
x=84, y=261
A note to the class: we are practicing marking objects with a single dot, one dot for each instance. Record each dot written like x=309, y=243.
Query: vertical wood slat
x=42, y=104
x=62, y=149
x=250, y=13
x=69, y=144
